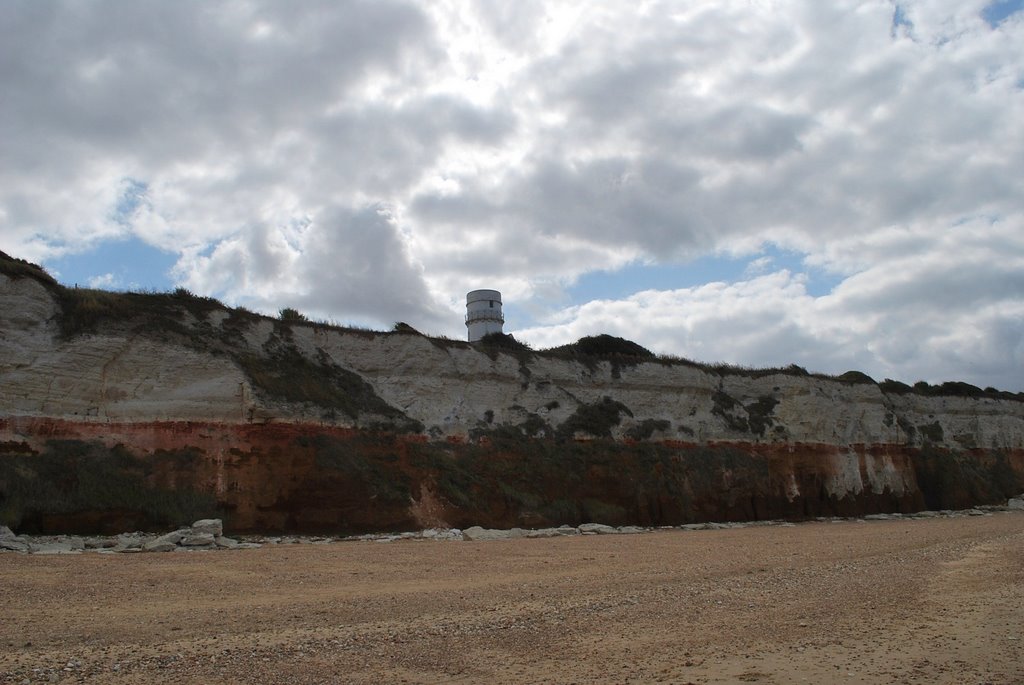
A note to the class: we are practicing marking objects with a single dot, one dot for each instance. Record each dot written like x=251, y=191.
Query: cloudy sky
x=838, y=185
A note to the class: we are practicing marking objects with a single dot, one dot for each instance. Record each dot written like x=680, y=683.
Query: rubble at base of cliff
x=208, y=534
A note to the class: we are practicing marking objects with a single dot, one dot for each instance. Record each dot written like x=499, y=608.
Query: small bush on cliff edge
x=290, y=315
x=592, y=349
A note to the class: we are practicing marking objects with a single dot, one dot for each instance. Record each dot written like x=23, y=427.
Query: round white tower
x=483, y=313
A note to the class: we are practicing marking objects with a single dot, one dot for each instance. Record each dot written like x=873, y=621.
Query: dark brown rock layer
x=91, y=477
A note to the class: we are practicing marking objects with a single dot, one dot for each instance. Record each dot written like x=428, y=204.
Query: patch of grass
x=591, y=350
x=855, y=378
x=366, y=465
x=908, y=428
x=19, y=268
x=646, y=428
x=755, y=419
x=453, y=472
x=599, y=511
x=405, y=329
x=285, y=373
x=759, y=414
x=502, y=341
x=724, y=406
x=950, y=479
x=74, y=476
x=596, y=419
x=82, y=310
x=931, y=432
x=292, y=316
x=891, y=387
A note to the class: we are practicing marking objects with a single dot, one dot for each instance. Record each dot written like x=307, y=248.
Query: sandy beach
x=903, y=601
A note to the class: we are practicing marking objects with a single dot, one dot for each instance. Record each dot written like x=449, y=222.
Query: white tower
x=483, y=313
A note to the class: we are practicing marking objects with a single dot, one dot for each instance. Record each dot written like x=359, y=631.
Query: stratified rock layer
x=125, y=412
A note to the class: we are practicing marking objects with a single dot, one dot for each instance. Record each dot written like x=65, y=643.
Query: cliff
x=125, y=410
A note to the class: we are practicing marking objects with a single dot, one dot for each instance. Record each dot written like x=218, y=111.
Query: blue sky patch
x=615, y=285
x=900, y=22
x=996, y=12
x=128, y=264
x=132, y=196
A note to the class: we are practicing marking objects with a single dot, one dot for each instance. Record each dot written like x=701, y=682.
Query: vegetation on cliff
x=86, y=487
x=325, y=481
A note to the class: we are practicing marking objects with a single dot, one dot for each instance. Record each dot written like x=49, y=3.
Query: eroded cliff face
x=307, y=427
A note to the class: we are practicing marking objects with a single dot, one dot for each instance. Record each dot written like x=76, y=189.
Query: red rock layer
x=311, y=478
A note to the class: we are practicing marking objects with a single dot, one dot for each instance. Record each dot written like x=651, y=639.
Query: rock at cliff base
x=199, y=540
x=561, y=531
x=214, y=527
x=596, y=529
x=100, y=543
x=6, y=532
x=126, y=541
x=1016, y=503
x=165, y=543
x=476, y=533
x=58, y=547
x=12, y=544
x=159, y=546
x=226, y=543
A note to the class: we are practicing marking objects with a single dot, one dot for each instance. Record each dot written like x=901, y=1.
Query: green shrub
x=365, y=465
x=74, y=476
x=292, y=316
x=646, y=429
x=402, y=327
x=892, y=387
x=596, y=419
x=855, y=378
x=503, y=341
x=931, y=432
x=608, y=346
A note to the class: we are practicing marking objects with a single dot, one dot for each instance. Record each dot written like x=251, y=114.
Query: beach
x=911, y=601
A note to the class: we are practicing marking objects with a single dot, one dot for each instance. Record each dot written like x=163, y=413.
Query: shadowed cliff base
x=79, y=477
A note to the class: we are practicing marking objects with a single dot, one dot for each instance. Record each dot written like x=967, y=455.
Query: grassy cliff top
x=84, y=310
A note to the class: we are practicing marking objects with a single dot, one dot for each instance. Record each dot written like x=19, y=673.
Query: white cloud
x=372, y=160
x=949, y=308
x=342, y=260
x=106, y=282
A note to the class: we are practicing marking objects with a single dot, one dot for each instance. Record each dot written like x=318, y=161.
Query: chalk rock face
x=116, y=376
x=201, y=367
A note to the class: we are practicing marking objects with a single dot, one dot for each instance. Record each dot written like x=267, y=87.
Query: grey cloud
x=384, y=149
x=152, y=90
x=344, y=260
